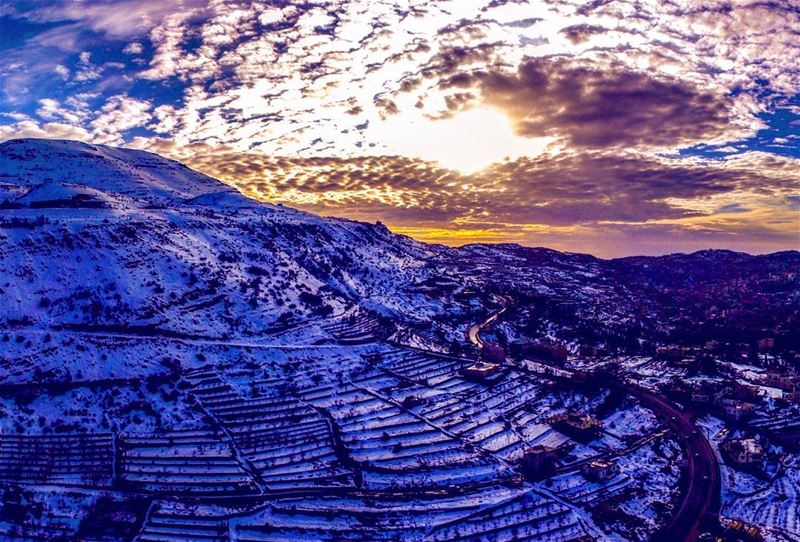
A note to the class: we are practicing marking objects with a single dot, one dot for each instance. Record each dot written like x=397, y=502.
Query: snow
x=256, y=370
x=773, y=505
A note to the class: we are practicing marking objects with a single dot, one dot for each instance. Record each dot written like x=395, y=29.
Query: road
x=701, y=494
x=192, y=341
x=700, y=499
x=474, y=331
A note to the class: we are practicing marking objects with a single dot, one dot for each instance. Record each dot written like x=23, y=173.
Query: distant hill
x=95, y=237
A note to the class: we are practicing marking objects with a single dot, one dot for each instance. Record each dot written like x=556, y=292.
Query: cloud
x=49, y=130
x=62, y=71
x=609, y=106
x=86, y=70
x=587, y=191
x=133, y=48
x=591, y=201
x=292, y=102
x=50, y=109
x=116, y=19
x=119, y=114
x=283, y=77
x=580, y=33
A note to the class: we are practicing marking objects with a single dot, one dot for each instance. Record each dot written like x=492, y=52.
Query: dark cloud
x=581, y=32
x=500, y=3
x=565, y=189
x=601, y=107
x=524, y=23
x=453, y=59
x=386, y=107
x=458, y=101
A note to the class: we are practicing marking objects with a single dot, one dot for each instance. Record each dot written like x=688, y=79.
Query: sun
x=466, y=142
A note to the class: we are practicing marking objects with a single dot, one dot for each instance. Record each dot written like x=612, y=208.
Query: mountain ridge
x=166, y=252
x=137, y=251
x=217, y=193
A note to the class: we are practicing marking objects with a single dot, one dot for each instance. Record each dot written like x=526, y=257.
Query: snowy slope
x=143, y=177
x=167, y=338
x=125, y=240
x=93, y=237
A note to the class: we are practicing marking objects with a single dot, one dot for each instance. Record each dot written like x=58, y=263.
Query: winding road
x=700, y=495
x=473, y=334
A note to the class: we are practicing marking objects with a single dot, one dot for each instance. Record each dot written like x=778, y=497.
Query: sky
x=612, y=127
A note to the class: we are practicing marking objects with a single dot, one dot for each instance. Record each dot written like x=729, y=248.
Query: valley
x=178, y=362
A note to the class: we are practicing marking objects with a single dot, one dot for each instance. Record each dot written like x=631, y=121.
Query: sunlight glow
x=467, y=142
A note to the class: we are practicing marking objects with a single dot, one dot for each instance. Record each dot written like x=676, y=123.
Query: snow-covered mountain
x=61, y=169
x=93, y=236
x=180, y=362
x=101, y=238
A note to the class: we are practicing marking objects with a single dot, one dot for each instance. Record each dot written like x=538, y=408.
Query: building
x=539, y=461
x=767, y=343
x=592, y=351
x=742, y=350
x=746, y=392
x=705, y=393
x=545, y=350
x=734, y=529
x=599, y=470
x=686, y=362
x=677, y=390
x=670, y=353
x=492, y=352
x=736, y=409
x=785, y=382
x=743, y=452
x=577, y=426
x=792, y=396
x=701, y=396
x=412, y=401
x=682, y=356
x=481, y=371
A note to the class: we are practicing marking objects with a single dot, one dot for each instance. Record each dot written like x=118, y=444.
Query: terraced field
x=63, y=459
x=287, y=443
x=184, y=462
x=772, y=504
x=394, y=444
